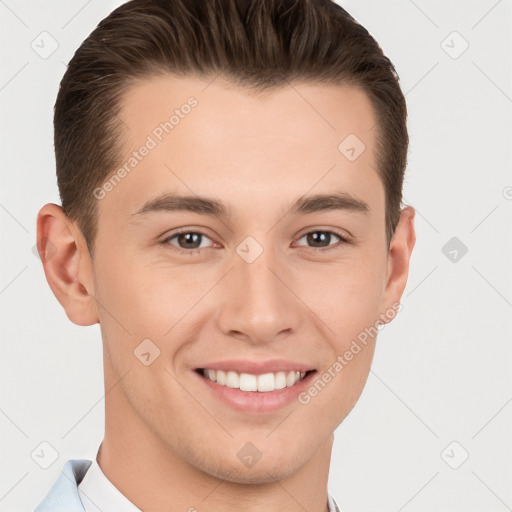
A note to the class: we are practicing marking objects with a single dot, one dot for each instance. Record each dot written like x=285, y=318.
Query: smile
x=263, y=383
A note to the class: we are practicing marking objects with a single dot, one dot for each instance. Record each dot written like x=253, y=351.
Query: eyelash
x=192, y=252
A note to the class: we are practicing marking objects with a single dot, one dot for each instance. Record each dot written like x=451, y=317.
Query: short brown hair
x=258, y=44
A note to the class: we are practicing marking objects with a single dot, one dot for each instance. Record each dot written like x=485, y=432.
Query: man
x=231, y=181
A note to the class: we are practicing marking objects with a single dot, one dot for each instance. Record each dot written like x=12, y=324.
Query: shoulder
x=63, y=496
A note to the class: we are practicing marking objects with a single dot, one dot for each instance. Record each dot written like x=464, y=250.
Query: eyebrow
x=215, y=208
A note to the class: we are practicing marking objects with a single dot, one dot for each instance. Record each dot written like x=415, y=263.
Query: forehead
x=200, y=136
x=305, y=109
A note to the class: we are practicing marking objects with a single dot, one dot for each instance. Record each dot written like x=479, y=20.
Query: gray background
x=440, y=387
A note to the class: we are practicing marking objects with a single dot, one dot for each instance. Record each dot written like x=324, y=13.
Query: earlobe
x=399, y=255
x=67, y=264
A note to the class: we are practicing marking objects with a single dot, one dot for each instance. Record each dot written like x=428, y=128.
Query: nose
x=259, y=303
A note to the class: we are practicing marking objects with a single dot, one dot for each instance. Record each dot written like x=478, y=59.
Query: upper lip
x=257, y=367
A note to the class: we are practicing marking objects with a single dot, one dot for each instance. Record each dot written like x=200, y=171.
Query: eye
x=188, y=241
x=321, y=239
x=191, y=241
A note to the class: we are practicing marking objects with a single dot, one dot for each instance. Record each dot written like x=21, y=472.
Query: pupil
x=190, y=238
x=324, y=236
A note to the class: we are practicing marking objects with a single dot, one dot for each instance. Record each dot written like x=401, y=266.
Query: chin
x=261, y=473
x=265, y=470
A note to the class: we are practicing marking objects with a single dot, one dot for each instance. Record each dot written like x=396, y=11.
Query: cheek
x=347, y=296
x=339, y=383
x=144, y=298
x=337, y=390
x=146, y=302
x=347, y=299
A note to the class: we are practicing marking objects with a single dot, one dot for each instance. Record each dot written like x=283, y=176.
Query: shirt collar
x=98, y=493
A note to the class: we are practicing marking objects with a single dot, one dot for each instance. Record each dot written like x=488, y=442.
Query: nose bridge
x=259, y=304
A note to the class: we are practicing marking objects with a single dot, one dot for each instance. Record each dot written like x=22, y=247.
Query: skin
x=169, y=443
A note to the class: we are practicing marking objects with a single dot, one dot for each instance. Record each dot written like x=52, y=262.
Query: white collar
x=99, y=494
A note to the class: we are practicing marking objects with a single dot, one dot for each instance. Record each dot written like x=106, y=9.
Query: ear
x=67, y=264
x=399, y=255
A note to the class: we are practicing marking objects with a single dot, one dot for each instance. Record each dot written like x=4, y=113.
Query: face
x=255, y=273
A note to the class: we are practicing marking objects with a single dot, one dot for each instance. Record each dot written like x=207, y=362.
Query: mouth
x=254, y=386
x=255, y=383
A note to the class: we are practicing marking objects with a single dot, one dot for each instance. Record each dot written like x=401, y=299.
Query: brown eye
x=187, y=240
x=322, y=239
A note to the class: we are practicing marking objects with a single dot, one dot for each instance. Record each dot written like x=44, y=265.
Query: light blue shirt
x=97, y=492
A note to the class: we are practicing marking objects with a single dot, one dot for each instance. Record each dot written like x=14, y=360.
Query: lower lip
x=257, y=402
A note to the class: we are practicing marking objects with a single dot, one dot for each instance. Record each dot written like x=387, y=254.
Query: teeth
x=248, y=382
x=221, y=377
x=280, y=380
x=267, y=382
x=232, y=380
